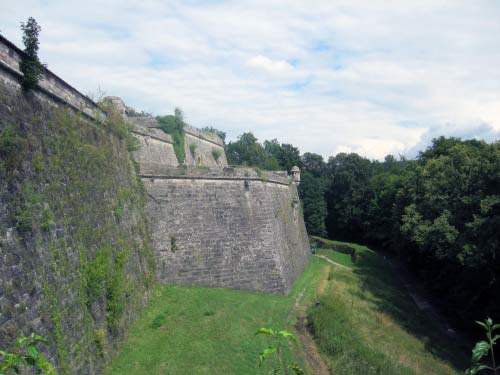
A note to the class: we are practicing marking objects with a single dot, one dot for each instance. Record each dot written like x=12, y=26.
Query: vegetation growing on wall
x=75, y=201
x=174, y=125
x=30, y=65
x=216, y=154
x=212, y=130
x=192, y=149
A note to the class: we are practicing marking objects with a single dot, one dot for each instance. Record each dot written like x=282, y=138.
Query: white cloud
x=264, y=63
x=368, y=76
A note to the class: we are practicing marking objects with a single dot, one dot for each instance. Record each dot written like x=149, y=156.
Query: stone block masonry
x=155, y=147
x=202, y=147
x=70, y=205
x=79, y=236
x=51, y=85
x=229, y=231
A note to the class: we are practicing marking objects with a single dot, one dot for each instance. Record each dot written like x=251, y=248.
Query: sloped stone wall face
x=231, y=233
x=155, y=150
x=204, y=146
x=70, y=202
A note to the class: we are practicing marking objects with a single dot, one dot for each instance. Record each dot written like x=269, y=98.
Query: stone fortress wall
x=42, y=287
x=202, y=148
x=228, y=228
x=52, y=86
x=214, y=225
x=211, y=225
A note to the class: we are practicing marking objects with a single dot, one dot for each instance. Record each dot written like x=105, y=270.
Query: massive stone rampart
x=226, y=227
x=203, y=148
x=52, y=86
x=76, y=256
x=75, y=252
x=155, y=148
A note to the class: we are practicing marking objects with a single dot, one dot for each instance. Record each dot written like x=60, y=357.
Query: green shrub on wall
x=174, y=125
x=216, y=154
x=192, y=149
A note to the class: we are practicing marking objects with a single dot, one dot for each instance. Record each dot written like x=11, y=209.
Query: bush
x=174, y=126
x=30, y=65
x=192, y=149
x=216, y=154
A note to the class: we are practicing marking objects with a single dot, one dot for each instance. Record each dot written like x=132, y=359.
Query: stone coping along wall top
x=207, y=136
x=11, y=56
x=156, y=170
x=140, y=125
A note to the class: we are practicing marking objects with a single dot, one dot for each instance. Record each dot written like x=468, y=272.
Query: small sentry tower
x=296, y=174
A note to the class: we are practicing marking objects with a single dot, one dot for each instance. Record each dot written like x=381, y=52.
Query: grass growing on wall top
x=188, y=330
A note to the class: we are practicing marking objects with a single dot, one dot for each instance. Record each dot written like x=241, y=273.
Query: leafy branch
x=26, y=353
x=280, y=339
x=483, y=348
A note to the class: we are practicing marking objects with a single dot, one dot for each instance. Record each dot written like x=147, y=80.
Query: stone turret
x=296, y=174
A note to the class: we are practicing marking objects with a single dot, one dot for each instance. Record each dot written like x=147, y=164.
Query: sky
x=373, y=77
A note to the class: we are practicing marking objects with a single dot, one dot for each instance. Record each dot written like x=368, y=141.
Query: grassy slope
x=368, y=324
x=208, y=331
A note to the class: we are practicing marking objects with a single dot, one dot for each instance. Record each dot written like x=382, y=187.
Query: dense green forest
x=439, y=213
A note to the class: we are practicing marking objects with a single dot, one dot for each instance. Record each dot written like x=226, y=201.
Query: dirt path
x=334, y=263
x=313, y=356
x=316, y=363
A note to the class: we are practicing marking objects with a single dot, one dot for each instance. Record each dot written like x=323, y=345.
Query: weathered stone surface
x=11, y=56
x=205, y=145
x=153, y=152
x=59, y=206
x=232, y=233
x=222, y=227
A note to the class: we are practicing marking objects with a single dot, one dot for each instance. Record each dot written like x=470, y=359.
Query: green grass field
x=365, y=324
x=187, y=330
x=368, y=324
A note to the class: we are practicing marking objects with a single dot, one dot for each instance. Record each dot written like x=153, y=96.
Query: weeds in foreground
x=484, y=348
x=280, y=340
x=26, y=354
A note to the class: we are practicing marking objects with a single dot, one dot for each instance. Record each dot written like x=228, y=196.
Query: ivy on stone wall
x=73, y=196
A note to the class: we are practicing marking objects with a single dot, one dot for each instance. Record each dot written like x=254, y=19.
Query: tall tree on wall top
x=30, y=65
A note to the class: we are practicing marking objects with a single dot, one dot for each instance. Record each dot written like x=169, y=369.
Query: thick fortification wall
x=51, y=85
x=75, y=254
x=232, y=230
x=155, y=148
x=200, y=148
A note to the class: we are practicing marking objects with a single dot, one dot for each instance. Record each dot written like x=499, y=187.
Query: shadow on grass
x=392, y=297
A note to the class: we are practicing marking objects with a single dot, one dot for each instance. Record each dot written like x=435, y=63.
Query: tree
x=289, y=156
x=348, y=195
x=314, y=164
x=30, y=65
x=285, y=154
x=246, y=151
x=311, y=192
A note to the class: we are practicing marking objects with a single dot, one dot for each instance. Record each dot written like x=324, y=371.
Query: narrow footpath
x=316, y=363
